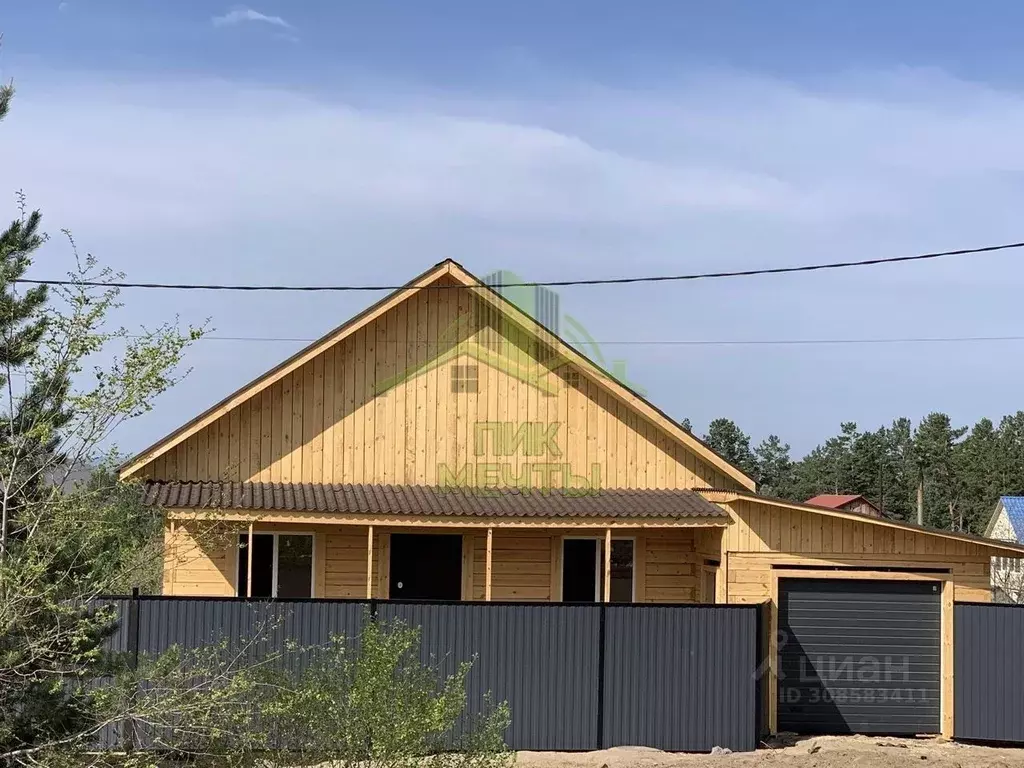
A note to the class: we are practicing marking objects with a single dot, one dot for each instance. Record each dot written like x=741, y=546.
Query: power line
x=547, y=284
x=689, y=342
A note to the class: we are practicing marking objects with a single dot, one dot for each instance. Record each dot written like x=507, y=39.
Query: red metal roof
x=835, y=501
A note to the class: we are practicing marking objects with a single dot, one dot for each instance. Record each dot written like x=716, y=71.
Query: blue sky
x=352, y=142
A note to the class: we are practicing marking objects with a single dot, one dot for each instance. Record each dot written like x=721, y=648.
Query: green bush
x=367, y=700
x=375, y=703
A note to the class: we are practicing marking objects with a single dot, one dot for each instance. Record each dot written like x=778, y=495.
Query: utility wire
x=687, y=342
x=549, y=283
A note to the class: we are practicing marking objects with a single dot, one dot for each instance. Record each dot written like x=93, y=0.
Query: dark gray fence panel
x=989, y=672
x=112, y=736
x=541, y=659
x=675, y=677
x=248, y=631
x=254, y=629
x=681, y=679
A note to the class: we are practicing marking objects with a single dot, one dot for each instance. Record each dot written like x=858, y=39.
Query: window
x=571, y=377
x=583, y=570
x=1008, y=564
x=622, y=570
x=282, y=565
x=465, y=378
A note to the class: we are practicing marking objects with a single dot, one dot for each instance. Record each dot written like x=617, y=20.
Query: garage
x=859, y=656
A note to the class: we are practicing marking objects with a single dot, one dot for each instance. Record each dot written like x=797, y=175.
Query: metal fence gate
x=989, y=672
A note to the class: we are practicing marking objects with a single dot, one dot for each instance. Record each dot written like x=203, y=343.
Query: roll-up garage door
x=859, y=656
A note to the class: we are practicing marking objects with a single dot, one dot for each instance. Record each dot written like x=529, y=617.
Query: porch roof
x=376, y=499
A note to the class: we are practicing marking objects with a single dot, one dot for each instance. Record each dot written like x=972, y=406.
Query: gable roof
x=458, y=273
x=725, y=496
x=1015, y=512
x=836, y=501
x=1014, y=508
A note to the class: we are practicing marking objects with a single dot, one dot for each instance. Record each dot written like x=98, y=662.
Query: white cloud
x=241, y=15
x=215, y=181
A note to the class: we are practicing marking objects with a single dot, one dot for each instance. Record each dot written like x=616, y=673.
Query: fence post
x=133, y=664
x=600, y=675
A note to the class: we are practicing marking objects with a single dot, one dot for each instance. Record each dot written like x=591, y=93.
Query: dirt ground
x=818, y=752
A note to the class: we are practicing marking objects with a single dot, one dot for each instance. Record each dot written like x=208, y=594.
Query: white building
x=1007, y=524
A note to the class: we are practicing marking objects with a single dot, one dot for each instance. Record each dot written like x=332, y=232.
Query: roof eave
x=723, y=496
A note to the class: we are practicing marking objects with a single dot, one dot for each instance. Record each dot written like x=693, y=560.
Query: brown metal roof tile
x=428, y=500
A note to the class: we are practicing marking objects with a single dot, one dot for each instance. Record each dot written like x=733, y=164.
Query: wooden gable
x=441, y=384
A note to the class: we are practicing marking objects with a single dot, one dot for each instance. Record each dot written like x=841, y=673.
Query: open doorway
x=583, y=570
x=425, y=567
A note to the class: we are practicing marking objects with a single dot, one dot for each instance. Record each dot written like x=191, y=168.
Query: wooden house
x=850, y=502
x=443, y=445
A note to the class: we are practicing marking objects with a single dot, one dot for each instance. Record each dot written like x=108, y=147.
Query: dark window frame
x=242, y=562
x=599, y=565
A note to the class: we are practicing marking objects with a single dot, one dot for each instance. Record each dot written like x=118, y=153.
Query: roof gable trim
x=503, y=305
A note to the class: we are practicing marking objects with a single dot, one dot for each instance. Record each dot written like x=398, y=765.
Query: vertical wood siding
x=377, y=407
x=764, y=535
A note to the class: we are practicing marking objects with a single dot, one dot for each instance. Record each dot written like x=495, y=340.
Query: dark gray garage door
x=859, y=656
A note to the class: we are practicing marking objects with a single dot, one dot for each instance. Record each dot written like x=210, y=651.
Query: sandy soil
x=818, y=752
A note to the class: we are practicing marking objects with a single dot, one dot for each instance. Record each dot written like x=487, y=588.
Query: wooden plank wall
x=520, y=566
x=672, y=572
x=764, y=535
x=324, y=422
x=345, y=563
x=198, y=560
x=526, y=565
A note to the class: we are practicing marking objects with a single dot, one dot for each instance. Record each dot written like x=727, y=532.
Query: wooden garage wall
x=324, y=423
x=764, y=535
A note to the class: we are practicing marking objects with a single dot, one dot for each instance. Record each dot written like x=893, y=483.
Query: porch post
x=607, y=597
x=487, y=564
x=172, y=566
x=369, y=563
x=248, y=570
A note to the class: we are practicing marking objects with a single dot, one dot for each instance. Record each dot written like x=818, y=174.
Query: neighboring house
x=847, y=502
x=424, y=450
x=1007, y=524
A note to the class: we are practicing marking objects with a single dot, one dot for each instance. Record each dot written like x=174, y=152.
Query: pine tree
x=978, y=468
x=29, y=423
x=935, y=448
x=732, y=444
x=774, y=467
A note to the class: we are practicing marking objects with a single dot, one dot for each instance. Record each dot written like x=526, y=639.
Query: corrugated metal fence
x=989, y=672
x=576, y=677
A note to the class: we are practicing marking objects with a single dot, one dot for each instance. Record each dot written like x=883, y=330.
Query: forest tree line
x=958, y=471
